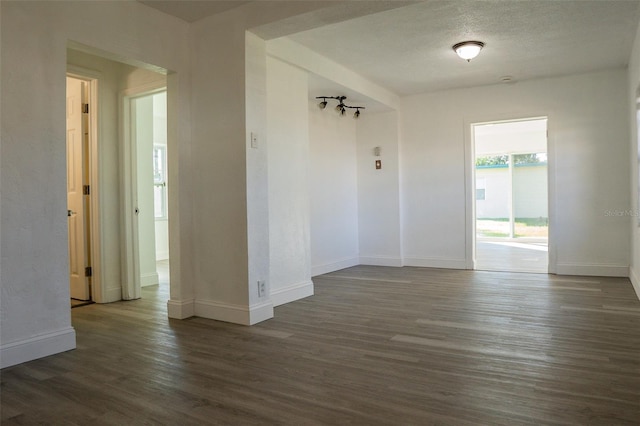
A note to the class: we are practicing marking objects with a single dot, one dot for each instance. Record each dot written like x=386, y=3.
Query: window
x=481, y=189
x=160, y=181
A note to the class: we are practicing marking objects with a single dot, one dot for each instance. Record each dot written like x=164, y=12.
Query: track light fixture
x=341, y=107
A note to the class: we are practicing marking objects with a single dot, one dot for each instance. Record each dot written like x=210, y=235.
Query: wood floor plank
x=373, y=346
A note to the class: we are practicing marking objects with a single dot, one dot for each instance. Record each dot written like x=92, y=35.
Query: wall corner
x=181, y=309
x=635, y=281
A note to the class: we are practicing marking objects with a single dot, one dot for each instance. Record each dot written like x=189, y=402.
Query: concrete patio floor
x=512, y=255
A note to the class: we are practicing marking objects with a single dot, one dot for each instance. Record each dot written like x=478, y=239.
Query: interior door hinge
x=86, y=189
x=87, y=271
x=85, y=108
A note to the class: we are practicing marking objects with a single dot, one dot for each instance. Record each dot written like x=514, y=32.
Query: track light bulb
x=356, y=114
x=322, y=105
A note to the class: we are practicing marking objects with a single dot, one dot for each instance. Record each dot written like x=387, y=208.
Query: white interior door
x=79, y=282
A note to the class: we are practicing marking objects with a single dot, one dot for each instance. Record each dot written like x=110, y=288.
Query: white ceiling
x=514, y=137
x=190, y=10
x=408, y=49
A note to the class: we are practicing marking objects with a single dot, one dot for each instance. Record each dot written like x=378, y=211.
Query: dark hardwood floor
x=374, y=346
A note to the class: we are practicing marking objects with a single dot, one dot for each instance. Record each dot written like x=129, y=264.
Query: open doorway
x=160, y=190
x=81, y=101
x=511, y=201
x=147, y=156
x=112, y=85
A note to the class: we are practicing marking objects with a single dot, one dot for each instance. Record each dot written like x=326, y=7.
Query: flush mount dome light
x=468, y=49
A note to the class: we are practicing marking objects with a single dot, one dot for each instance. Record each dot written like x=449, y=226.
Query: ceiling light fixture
x=341, y=107
x=468, y=49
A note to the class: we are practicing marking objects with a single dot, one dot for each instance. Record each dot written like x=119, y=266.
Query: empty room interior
x=332, y=212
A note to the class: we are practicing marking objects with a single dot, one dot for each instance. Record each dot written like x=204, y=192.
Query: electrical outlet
x=262, y=288
x=254, y=140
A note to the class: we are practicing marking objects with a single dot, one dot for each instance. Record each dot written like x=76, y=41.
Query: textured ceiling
x=408, y=50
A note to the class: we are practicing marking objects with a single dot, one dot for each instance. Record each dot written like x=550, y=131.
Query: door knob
x=70, y=213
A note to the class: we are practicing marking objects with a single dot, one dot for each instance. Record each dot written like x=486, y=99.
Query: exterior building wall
x=529, y=188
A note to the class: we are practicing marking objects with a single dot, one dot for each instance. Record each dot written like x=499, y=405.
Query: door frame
x=92, y=78
x=131, y=286
x=470, y=184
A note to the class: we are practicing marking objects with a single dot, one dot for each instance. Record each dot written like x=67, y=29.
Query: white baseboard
x=592, y=269
x=237, y=314
x=181, y=309
x=381, y=261
x=334, y=266
x=434, y=262
x=149, y=279
x=260, y=312
x=162, y=255
x=37, y=347
x=113, y=295
x=635, y=281
x=292, y=293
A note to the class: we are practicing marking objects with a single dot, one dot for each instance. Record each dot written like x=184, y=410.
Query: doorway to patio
x=511, y=197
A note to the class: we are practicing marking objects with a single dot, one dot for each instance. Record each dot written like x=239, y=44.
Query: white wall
x=516, y=137
x=334, y=190
x=232, y=242
x=495, y=182
x=379, y=190
x=340, y=170
x=588, y=168
x=219, y=147
x=260, y=305
x=162, y=239
x=228, y=217
x=231, y=245
x=34, y=306
x=634, y=156
x=289, y=205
